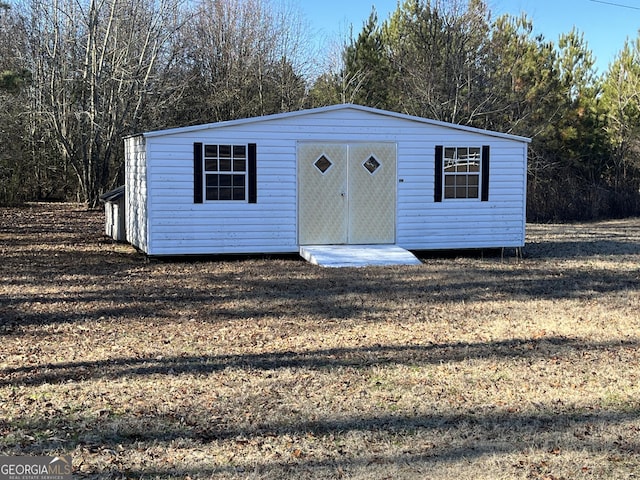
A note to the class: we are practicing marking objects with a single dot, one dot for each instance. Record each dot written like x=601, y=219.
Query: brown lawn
x=467, y=367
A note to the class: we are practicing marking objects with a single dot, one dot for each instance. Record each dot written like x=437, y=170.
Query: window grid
x=225, y=172
x=461, y=167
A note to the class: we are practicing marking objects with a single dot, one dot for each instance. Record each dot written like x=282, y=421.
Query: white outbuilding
x=338, y=175
x=114, y=214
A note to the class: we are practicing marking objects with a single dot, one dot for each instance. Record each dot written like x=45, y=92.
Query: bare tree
x=95, y=64
x=244, y=58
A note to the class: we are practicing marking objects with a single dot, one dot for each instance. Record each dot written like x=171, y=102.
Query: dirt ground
x=470, y=366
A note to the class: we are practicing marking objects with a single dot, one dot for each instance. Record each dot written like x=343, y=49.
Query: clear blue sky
x=605, y=26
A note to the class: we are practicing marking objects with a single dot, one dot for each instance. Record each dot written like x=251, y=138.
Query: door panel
x=372, y=193
x=322, y=209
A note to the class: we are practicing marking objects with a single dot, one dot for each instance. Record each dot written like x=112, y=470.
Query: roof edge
x=441, y=123
x=330, y=108
x=113, y=195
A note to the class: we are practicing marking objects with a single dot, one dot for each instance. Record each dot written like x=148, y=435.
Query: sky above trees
x=606, y=25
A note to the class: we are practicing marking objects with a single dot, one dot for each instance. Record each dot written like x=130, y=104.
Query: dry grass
x=263, y=368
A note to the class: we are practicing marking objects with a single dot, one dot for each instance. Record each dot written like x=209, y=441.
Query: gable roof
x=113, y=195
x=330, y=108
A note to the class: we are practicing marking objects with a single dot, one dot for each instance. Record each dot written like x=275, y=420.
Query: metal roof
x=113, y=195
x=330, y=108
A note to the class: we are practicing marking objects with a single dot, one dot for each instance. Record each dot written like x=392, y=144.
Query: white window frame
x=466, y=162
x=232, y=166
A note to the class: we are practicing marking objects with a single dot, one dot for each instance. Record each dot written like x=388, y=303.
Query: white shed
x=114, y=214
x=337, y=175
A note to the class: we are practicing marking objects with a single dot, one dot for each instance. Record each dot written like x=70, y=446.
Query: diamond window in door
x=323, y=164
x=371, y=164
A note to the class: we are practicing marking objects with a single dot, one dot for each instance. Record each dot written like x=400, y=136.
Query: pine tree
x=621, y=97
x=367, y=76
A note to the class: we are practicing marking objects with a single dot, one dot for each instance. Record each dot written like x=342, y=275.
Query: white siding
x=179, y=226
x=114, y=223
x=457, y=223
x=136, y=192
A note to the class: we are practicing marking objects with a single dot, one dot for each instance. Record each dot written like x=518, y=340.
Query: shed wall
x=136, y=192
x=178, y=226
x=115, y=226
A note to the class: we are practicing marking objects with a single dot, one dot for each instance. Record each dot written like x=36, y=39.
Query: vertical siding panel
x=136, y=192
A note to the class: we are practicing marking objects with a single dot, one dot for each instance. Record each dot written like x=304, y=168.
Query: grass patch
x=464, y=367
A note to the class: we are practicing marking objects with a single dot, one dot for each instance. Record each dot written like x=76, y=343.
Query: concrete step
x=357, y=255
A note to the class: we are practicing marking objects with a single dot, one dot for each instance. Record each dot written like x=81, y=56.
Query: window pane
x=239, y=151
x=462, y=165
x=463, y=153
x=372, y=164
x=225, y=164
x=449, y=166
x=323, y=164
x=238, y=181
x=473, y=192
x=224, y=151
x=238, y=193
x=474, y=159
x=461, y=180
x=449, y=192
x=211, y=165
x=239, y=165
x=210, y=150
x=225, y=193
x=449, y=180
x=225, y=180
x=212, y=193
x=473, y=180
x=450, y=153
x=212, y=180
x=461, y=192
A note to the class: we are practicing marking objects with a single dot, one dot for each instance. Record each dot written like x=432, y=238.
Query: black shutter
x=485, y=174
x=437, y=195
x=252, y=167
x=197, y=173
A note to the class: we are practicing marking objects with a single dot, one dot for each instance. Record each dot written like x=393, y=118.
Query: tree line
x=76, y=76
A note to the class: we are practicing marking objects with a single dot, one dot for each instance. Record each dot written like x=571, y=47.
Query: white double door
x=347, y=193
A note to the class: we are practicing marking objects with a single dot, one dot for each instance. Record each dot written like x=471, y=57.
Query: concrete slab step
x=357, y=255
